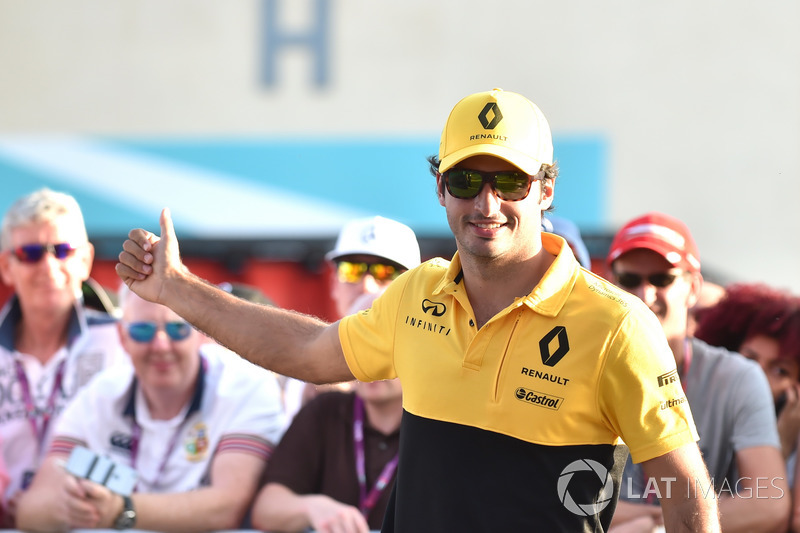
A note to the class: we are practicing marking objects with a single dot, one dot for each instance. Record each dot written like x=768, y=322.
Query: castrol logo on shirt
x=539, y=399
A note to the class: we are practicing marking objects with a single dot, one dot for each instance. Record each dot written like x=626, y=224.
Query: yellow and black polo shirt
x=518, y=426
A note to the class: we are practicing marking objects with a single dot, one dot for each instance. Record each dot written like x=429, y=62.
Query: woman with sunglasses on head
x=51, y=344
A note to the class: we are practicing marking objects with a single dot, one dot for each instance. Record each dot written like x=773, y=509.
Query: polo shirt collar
x=11, y=315
x=552, y=292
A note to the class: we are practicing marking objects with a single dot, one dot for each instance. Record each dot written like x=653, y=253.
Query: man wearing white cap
x=369, y=254
x=522, y=373
x=655, y=258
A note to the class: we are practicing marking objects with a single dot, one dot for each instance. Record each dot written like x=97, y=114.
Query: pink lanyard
x=136, y=430
x=367, y=501
x=687, y=362
x=39, y=429
x=136, y=435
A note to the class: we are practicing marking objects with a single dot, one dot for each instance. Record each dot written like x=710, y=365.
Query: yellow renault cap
x=499, y=123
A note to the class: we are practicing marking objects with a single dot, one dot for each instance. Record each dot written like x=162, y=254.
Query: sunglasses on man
x=145, y=331
x=33, y=253
x=508, y=185
x=354, y=272
x=660, y=280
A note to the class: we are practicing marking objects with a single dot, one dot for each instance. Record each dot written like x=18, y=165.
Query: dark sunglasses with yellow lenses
x=629, y=280
x=507, y=184
x=353, y=272
x=145, y=331
x=33, y=253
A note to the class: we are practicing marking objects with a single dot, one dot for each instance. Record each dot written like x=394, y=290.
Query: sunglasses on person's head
x=629, y=280
x=145, y=331
x=353, y=272
x=33, y=253
x=509, y=185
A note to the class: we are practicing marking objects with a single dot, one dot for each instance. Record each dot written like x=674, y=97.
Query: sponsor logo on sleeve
x=673, y=402
x=668, y=378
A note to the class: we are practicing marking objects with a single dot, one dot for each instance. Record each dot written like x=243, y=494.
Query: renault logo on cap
x=492, y=110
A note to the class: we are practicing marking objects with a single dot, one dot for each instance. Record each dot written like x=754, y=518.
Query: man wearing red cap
x=522, y=373
x=655, y=258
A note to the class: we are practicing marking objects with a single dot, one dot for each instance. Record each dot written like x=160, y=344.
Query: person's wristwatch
x=127, y=518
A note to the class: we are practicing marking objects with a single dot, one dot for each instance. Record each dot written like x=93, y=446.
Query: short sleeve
x=641, y=394
x=367, y=337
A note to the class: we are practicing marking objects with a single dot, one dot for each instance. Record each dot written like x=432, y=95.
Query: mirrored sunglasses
x=351, y=272
x=629, y=280
x=145, y=331
x=33, y=253
x=508, y=185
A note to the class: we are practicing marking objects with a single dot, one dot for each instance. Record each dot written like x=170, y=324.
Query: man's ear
x=696, y=288
x=440, y=188
x=547, y=188
x=5, y=268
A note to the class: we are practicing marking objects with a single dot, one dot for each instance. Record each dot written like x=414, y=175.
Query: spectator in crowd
x=567, y=229
x=334, y=468
x=198, y=428
x=369, y=254
x=710, y=294
x=246, y=292
x=521, y=371
x=763, y=324
x=4, y=480
x=50, y=343
x=655, y=257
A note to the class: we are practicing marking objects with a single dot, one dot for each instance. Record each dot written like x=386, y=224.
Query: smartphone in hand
x=87, y=464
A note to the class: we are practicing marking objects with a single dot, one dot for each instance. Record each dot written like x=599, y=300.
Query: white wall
x=699, y=101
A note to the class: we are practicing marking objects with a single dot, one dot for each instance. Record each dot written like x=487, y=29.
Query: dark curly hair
x=748, y=310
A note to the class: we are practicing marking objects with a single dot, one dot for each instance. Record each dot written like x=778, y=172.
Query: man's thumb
x=167, y=229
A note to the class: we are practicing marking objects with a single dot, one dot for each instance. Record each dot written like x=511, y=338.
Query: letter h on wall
x=277, y=39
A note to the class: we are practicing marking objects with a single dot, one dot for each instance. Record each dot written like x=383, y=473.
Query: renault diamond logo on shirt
x=434, y=308
x=496, y=116
x=554, y=346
